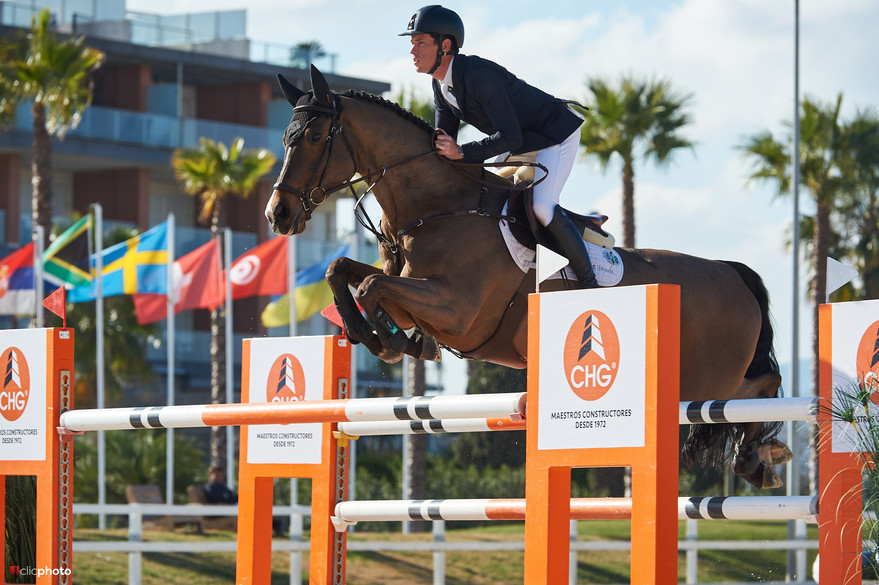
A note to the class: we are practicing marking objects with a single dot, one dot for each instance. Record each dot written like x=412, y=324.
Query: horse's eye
x=313, y=136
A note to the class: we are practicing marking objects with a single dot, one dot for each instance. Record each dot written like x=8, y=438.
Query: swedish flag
x=138, y=265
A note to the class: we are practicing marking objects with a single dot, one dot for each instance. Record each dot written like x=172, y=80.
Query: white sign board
x=285, y=370
x=592, y=369
x=855, y=347
x=23, y=395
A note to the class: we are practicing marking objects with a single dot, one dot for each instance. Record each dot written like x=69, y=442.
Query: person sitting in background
x=216, y=491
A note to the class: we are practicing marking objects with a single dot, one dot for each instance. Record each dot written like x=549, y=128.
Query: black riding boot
x=571, y=245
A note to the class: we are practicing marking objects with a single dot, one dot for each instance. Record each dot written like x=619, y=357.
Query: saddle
x=529, y=232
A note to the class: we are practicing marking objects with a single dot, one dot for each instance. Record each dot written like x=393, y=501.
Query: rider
x=516, y=117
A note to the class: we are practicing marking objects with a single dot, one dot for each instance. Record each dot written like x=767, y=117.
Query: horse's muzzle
x=282, y=219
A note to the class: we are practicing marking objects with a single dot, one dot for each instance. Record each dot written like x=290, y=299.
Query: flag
x=331, y=314
x=55, y=302
x=312, y=294
x=196, y=285
x=260, y=271
x=17, y=294
x=66, y=260
x=137, y=265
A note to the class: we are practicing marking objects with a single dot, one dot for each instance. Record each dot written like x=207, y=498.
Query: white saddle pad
x=606, y=263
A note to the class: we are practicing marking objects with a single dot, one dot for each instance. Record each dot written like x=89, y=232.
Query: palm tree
x=212, y=172
x=859, y=207
x=638, y=117
x=55, y=74
x=304, y=54
x=824, y=166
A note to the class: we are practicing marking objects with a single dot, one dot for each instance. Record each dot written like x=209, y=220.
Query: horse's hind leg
x=758, y=450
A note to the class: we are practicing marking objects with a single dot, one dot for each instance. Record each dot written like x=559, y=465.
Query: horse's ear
x=290, y=91
x=320, y=87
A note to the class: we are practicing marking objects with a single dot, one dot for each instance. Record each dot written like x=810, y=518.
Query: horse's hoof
x=756, y=473
x=770, y=479
x=774, y=452
x=746, y=466
x=424, y=347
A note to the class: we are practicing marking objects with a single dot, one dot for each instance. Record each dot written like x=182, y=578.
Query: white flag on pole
x=548, y=263
x=838, y=274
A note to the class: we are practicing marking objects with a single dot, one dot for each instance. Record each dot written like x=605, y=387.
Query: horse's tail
x=710, y=445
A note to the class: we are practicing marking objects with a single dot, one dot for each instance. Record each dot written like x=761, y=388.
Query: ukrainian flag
x=138, y=265
x=312, y=294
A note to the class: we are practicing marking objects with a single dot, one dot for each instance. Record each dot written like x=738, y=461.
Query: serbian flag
x=261, y=271
x=17, y=294
x=196, y=285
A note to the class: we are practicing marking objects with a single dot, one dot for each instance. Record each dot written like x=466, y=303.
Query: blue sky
x=735, y=57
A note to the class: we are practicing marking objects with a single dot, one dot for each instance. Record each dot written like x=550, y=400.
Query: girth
x=499, y=347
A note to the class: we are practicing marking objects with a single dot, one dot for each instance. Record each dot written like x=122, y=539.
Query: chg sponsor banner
x=855, y=357
x=592, y=369
x=284, y=370
x=23, y=364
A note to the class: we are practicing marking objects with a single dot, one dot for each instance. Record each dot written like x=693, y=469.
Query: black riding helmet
x=436, y=20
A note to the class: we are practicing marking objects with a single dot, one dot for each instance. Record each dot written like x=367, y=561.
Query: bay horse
x=447, y=273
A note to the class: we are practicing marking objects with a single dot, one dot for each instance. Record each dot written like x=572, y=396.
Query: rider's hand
x=446, y=146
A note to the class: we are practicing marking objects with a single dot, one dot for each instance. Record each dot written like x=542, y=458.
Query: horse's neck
x=414, y=189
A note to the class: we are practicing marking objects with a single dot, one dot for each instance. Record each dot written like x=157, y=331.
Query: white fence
x=296, y=544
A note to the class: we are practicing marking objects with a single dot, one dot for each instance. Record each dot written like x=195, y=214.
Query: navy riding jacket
x=515, y=116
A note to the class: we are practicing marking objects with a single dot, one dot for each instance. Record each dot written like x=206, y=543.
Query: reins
x=313, y=197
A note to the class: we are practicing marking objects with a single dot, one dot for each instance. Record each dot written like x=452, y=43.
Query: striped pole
x=362, y=409
x=750, y=410
x=709, y=508
x=701, y=412
x=434, y=426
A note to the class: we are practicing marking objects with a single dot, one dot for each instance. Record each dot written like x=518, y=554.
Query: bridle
x=311, y=198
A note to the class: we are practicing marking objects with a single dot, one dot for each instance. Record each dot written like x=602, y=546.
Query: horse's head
x=314, y=165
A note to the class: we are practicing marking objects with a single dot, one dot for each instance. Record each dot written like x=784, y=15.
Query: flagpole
x=39, y=235
x=170, y=343
x=99, y=357
x=230, y=358
x=291, y=282
x=295, y=520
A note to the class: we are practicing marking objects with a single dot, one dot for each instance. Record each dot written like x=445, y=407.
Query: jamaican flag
x=66, y=260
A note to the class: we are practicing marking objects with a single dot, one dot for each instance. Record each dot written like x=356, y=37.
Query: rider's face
x=423, y=52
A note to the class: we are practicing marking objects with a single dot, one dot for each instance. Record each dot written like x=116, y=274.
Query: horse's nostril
x=281, y=212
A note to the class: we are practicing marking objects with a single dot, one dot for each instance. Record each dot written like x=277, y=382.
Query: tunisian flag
x=261, y=271
x=196, y=281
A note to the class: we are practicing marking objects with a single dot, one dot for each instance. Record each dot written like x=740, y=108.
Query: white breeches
x=558, y=160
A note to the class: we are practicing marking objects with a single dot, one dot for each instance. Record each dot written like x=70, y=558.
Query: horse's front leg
x=396, y=303
x=342, y=273
x=384, y=339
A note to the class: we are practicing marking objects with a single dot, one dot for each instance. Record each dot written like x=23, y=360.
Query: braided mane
x=393, y=106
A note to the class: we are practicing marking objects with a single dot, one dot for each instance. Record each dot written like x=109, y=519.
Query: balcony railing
x=157, y=131
x=221, y=32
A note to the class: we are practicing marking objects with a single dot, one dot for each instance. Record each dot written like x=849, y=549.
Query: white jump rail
x=359, y=409
x=693, y=508
x=700, y=412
